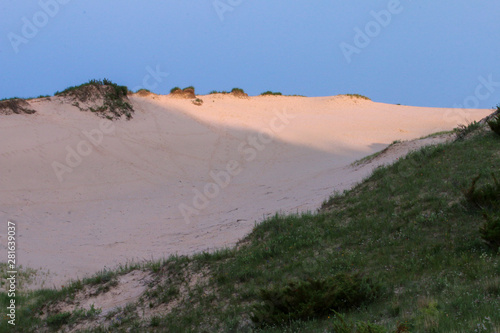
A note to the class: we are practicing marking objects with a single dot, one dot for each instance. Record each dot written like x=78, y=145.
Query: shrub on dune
x=186, y=93
x=270, y=93
x=313, y=298
x=494, y=123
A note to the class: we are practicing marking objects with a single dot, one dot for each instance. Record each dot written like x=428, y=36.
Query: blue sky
x=424, y=53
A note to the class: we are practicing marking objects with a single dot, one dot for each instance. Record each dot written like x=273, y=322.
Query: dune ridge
x=89, y=193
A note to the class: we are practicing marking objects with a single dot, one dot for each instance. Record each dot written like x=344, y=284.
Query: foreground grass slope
x=405, y=242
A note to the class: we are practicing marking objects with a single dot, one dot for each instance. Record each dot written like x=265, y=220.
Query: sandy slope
x=122, y=199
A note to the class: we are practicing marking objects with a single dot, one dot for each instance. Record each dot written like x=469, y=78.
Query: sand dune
x=88, y=193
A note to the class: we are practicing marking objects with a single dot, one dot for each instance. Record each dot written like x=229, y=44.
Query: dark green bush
x=58, y=320
x=174, y=89
x=271, y=93
x=237, y=90
x=490, y=231
x=309, y=299
x=487, y=196
x=190, y=87
x=494, y=123
x=119, y=91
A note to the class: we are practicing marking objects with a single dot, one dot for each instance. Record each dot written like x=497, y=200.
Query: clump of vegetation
x=198, y=102
x=304, y=300
x=59, y=319
x=269, y=92
x=490, y=231
x=143, y=92
x=343, y=325
x=238, y=90
x=9, y=99
x=428, y=315
x=38, y=97
x=186, y=93
x=118, y=91
x=15, y=106
x=68, y=318
x=494, y=123
x=487, y=196
x=357, y=96
x=110, y=98
x=463, y=131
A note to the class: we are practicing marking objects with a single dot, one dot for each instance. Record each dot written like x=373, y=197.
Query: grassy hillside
x=400, y=252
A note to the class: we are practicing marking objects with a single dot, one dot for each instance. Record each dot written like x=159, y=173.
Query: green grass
x=408, y=228
x=9, y=99
x=371, y=157
x=266, y=93
x=312, y=298
x=119, y=91
x=464, y=130
x=357, y=96
x=27, y=98
x=174, y=89
x=433, y=135
x=224, y=92
x=63, y=318
x=198, y=101
x=237, y=90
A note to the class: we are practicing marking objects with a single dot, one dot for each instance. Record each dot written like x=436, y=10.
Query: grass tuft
x=343, y=325
x=198, y=101
x=463, y=131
